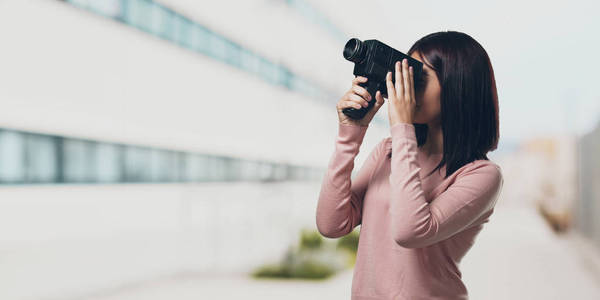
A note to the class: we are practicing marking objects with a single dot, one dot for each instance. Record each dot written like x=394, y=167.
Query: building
x=142, y=138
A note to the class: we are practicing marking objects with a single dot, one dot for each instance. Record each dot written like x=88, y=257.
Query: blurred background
x=174, y=149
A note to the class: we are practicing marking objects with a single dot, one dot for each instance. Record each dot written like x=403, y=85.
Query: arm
x=416, y=223
x=339, y=209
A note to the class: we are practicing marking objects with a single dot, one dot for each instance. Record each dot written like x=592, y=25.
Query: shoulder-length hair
x=469, y=99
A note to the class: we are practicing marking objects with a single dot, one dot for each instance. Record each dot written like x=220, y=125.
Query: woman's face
x=428, y=101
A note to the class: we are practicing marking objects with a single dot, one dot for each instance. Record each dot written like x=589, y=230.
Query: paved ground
x=515, y=257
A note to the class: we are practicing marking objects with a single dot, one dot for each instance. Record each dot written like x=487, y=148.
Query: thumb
x=378, y=104
x=378, y=100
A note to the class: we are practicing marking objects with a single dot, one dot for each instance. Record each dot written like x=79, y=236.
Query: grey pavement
x=516, y=256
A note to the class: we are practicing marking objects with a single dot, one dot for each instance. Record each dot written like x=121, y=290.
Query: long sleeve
x=339, y=209
x=416, y=223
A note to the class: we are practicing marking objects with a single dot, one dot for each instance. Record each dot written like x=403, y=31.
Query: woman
x=416, y=223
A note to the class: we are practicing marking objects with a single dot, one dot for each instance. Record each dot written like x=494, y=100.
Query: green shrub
x=273, y=270
x=305, y=260
x=310, y=239
x=305, y=269
x=312, y=270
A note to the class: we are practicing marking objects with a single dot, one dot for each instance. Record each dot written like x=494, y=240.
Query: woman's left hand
x=401, y=94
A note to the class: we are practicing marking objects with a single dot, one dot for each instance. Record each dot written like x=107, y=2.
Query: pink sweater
x=414, y=230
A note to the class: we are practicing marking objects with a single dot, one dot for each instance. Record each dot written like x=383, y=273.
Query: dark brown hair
x=469, y=99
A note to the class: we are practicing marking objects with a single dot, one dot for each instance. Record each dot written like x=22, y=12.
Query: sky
x=544, y=53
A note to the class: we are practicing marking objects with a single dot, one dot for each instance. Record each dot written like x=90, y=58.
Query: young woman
x=417, y=224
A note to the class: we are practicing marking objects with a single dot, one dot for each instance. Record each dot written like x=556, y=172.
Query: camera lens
x=354, y=50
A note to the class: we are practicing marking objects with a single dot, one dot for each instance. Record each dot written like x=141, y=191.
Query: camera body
x=373, y=59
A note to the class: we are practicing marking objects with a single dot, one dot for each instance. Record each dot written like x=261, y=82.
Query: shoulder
x=484, y=174
x=484, y=166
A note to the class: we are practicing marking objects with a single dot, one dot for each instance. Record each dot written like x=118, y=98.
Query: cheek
x=430, y=102
x=430, y=99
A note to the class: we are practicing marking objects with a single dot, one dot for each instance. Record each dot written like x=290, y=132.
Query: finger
x=362, y=92
x=379, y=99
x=399, y=82
x=378, y=104
x=406, y=80
x=359, y=79
x=390, y=85
x=412, y=84
x=352, y=105
x=347, y=103
x=358, y=99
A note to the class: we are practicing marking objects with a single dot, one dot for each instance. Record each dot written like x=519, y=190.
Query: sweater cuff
x=403, y=130
x=351, y=133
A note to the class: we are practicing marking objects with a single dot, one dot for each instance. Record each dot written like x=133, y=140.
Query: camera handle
x=372, y=88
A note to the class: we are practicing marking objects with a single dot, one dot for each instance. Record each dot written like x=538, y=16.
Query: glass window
x=248, y=170
x=266, y=171
x=217, y=168
x=292, y=173
x=137, y=164
x=268, y=70
x=234, y=169
x=283, y=76
x=137, y=14
x=79, y=164
x=304, y=173
x=217, y=47
x=109, y=8
x=181, y=31
x=38, y=158
x=196, y=167
x=164, y=167
x=12, y=158
x=80, y=3
x=161, y=20
x=41, y=156
x=317, y=174
x=229, y=166
x=233, y=53
x=108, y=162
x=280, y=172
x=249, y=61
x=199, y=38
x=298, y=84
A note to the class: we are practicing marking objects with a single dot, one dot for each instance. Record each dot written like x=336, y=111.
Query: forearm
x=338, y=209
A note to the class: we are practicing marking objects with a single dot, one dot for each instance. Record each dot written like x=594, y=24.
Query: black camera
x=373, y=59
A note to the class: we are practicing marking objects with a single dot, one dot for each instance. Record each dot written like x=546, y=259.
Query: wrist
x=351, y=133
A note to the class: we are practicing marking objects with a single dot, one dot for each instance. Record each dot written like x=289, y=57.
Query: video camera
x=373, y=59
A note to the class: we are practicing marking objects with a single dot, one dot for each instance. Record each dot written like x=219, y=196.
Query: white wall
x=71, y=240
x=67, y=71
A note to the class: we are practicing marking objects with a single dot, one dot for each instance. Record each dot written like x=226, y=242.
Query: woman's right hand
x=357, y=97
